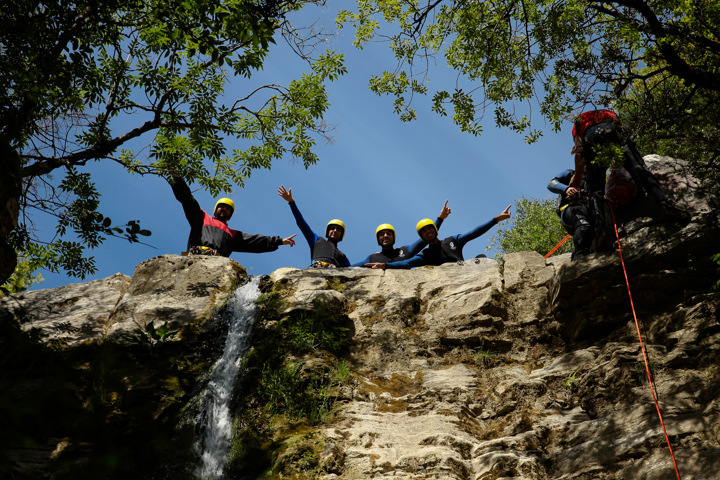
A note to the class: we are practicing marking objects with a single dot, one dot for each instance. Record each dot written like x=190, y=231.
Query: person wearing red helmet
x=597, y=128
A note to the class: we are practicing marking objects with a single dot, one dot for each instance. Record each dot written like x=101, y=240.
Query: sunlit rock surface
x=168, y=288
x=531, y=369
x=525, y=369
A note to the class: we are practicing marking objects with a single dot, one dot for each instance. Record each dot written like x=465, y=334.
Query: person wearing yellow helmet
x=385, y=235
x=210, y=234
x=441, y=251
x=324, y=252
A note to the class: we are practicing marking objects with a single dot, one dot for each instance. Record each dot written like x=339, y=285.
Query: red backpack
x=619, y=187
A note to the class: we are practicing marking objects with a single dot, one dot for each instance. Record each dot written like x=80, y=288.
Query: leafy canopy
x=561, y=55
x=80, y=80
x=535, y=227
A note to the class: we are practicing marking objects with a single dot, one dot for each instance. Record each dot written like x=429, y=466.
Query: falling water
x=215, y=442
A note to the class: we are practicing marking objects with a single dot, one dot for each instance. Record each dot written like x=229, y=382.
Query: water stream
x=214, y=443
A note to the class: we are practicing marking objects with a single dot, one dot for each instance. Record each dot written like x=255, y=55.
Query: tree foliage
x=22, y=278
x=80, y=79
x=535, y=227
x=563, y=54
x=674, y=119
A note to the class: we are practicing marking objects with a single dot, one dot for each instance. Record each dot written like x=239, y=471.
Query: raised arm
x=444, y=212
x=191, y=207
x=504, y=215
x=310, y=236
x=415, y=247
x=481, y=229
x=285, y=194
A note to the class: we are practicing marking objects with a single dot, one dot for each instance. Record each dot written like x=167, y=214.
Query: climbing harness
x=321, y=264
x=202, y=250
x=562, y=242
x=642, y=347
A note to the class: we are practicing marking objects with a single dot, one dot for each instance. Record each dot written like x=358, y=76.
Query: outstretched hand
x=289, y=240
x=504, y=215
x=285, y=194
x=381, y=266
x=445, y=211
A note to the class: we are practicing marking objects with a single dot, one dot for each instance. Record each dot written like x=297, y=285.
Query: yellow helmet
x=424, y=223
x=385, y=226
x=225, y=201
x=339, y=223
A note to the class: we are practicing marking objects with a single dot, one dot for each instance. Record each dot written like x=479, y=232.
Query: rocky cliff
x=528, y=369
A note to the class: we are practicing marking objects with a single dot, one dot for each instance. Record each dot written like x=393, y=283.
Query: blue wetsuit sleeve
x=307, y=232
x=345, y=262
x=474, y=233
x=416, y=261
x=415, y=248
x=361, y=263
x=560, y=182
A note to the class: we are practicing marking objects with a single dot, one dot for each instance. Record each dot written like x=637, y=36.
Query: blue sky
x=377, y=170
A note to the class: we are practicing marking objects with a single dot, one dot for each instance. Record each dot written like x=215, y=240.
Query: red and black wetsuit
x=208, y=231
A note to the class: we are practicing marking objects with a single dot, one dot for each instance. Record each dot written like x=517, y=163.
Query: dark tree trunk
x=10, y=190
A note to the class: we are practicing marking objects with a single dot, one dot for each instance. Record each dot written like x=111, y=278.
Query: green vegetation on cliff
x=293, y=374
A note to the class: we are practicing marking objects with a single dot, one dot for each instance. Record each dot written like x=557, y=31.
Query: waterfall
x=214, y=443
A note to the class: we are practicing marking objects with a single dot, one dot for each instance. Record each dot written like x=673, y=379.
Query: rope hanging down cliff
x=642, y=347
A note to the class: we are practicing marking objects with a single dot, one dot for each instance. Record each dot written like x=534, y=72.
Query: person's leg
x=576, y=219
x=595, y=185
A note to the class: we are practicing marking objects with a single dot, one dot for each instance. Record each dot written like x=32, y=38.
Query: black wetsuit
x=574, y=215
x=445, y=251
x=322, y=251
x=405, y=252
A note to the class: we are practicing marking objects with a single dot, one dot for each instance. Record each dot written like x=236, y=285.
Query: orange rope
x=562, y=242
x=642, y=348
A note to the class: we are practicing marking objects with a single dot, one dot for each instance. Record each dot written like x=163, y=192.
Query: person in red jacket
x=210, y=234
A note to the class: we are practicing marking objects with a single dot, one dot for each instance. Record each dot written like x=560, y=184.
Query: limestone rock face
x=531, y=369
x=677, y=181
x=175, y=289
x=70, y=314
x=528, y=369
x=167, y=288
